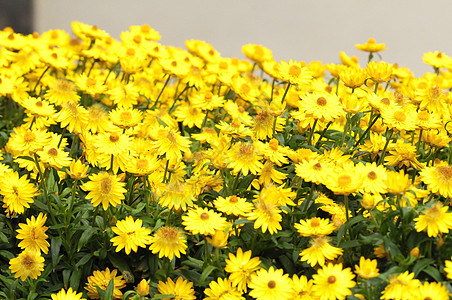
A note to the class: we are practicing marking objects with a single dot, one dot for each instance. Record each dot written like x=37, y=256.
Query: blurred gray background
x=299, y=30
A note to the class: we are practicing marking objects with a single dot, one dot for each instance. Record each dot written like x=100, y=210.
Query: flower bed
x=135, y=170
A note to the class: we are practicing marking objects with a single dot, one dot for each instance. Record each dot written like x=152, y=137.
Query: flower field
x=136, y=170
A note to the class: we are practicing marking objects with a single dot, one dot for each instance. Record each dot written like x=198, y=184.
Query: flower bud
x=143, y=288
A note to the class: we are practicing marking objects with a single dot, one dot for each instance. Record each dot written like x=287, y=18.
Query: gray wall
x=299, y=30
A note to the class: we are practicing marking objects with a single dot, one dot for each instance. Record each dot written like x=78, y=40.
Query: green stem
x=388, y=139
x=273, y=87
x=419, y=141
x=61, y=138
x=44, y=188
x=285, y=92
x=161, y=92
x=166, y=171
x=367, y=130
x=312, y=132
x=39, y=80
x=323, y=134
x=376, y=88
x=347, y=124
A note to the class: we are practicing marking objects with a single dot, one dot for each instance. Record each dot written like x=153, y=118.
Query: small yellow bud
x=143, y=288
x=415, y=252
x=440, y=242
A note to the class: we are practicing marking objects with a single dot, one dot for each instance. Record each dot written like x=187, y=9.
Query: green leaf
x=242, y=221
x=433, y=272
x=6, y=254
x=119, y=262
x=163, y=297
x=205, y=273
x=109, y=291
x=75, y=279
x=86, y=235
x=84, y=260
x=3, y=238
x=55, y=246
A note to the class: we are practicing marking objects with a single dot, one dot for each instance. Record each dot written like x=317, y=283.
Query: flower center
x=233, y=199
x=114, y=137
x=273, y=144
x=145, y=28
x=91, y=82
x=54, y=55
x=321, y=101
x=372, y=175
x=137, y=39
x=271, y=284
x=317, y=166
x=445, y=171
x=315, y=222
x=385, y=101
x=294, y=71
x=400, y=116
x=204, y=216
x=125, y=116
x=53, y=152
x=423, y=115
x=331, y=279
x=142, y=163
x=39, y=103
x=246, y=150
x=105, y=185
x=28, y=261
x=29, y=137
x=344, y=180
x=245, y=88
x=130, y=52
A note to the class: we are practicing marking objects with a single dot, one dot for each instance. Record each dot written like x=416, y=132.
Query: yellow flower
x=438, y=179
x=437, y=60
x=243, y=157
x=435, y=220
x=379, y=71
x=131, y=235
x=319, y=251
x=257, y=53
x=241, y=266
x=178, y=195
x=352, y=77
x=314, y=227
x=55, y=157
x=67, y=295
x=143, y=288
x=90, y=85
x=270, y=285
x=433, y=290
x=374, y=178
x=367, y=268
x=371, y=46
x=322, y=105
x=344, y=181
x=125, y=117
x=181, y=289
x=333, y=282
x=295, y=73
x=61, y=90
x=77, y=170
x=266, y=215
x=33, y=234
x=29, y=263
x=402, y=287
x=203, y=221
x=222, y=289
x=17, y=192
x=263, y=124
x=72, y=116
x=233, y=205
x=105, y=189
x=399, y=118
x=347, y=60
x=448, y=269
x=101, y=279
x=397, y=182
x=170, y=143
x=205, y=100
x=168, y=241
x=302, y=288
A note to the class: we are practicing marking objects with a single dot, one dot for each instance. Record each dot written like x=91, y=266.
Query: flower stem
x=39, y=80
x=388, y=139
x=312, y=132
x=161, y=92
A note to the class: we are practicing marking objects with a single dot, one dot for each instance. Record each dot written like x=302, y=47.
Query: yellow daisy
x=168, y=241
x=131, y=235
x=203, y=221
x=270, y=285
x=28, y=263
x=320, y=251
x=33, y=234
x=435, y=220
x=105, y=189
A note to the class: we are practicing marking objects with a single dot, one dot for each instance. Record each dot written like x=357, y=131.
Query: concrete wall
x=299, y=30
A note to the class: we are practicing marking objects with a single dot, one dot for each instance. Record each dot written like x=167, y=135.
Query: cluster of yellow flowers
x=312, y=169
